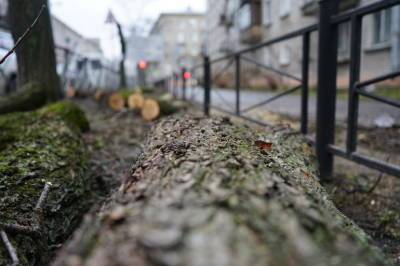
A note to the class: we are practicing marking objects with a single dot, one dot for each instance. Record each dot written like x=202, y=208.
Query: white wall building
x=182, y=36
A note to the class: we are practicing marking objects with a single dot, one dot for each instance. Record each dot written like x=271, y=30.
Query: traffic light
x=142, y=64
x=187, y=75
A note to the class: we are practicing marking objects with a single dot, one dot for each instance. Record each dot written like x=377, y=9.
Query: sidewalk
x=290, y=105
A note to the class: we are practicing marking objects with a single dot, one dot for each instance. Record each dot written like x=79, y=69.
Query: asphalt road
x=369, y=110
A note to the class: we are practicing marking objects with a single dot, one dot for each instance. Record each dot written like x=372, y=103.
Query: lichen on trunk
x=209, y=192
x=38, y=148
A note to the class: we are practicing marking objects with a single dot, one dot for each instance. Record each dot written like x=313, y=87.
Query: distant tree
x=36, y=55
x=122, y=72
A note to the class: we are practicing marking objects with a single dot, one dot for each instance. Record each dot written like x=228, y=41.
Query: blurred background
x=88, y=46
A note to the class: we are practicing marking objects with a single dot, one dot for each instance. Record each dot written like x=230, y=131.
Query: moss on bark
x=36, y=148
x=204, y=194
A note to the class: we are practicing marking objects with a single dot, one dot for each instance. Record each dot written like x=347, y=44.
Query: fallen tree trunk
x=44, y=191
x=27, y=98
x=162, y=105
x=207, y=192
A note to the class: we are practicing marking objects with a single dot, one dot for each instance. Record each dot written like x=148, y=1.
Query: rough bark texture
x=36, y=56
x=204, y=194
x=37, y=148
x=31, y=96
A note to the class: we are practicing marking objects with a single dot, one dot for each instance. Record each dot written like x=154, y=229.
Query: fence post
x=304, y=83
x=183, y=84
x=237, y=83
x=355, y=60
x=207, y=85
x=326, y=91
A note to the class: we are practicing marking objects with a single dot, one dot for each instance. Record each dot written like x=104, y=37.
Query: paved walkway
x=290, y=105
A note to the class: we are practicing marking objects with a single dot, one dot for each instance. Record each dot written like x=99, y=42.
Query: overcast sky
x=88, y=16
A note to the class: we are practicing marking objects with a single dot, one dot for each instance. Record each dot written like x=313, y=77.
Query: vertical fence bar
x=326, y=92
x=237, y=83
x=355, y=60
x=183, y=84
x=207, y=85
x=304, y=85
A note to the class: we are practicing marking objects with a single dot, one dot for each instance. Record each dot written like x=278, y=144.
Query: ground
x=114, y=143
x=290, y=104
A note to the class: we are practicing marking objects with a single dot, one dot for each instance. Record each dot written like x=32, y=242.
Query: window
x=267, y=12
x=244, y=17
x=284, y=56
x=382, y=27
x=193, y=23
x=284, y=9
x=195, y=37
x=181, y=38
x=344, y=39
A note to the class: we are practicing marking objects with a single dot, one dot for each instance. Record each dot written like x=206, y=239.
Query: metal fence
x=327, y=30
x=84, y=72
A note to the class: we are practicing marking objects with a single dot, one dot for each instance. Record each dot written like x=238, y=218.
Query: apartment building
x=148, y=49
x=244, y=23
x=182, y=36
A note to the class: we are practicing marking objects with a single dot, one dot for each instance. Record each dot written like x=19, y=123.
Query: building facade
x=149, y=51
x=182, y=36
x=236, y=24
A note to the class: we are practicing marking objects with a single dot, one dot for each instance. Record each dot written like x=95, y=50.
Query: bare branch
x=10, y=249
x=22, y=38
x=39, y=205
x=36, y=228
x=20, y=229
x=43, y=196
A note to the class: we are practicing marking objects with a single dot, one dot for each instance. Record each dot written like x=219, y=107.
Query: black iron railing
x=327, y=28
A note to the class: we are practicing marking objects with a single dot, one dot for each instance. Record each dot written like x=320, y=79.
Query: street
x=290, y=105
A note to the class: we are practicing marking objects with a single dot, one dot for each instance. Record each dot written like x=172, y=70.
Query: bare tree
x=35, y=56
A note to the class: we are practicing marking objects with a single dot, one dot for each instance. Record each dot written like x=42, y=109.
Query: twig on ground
x=19, y=229
x=36, y=228
x=43, y=196
x=10, y=249
x=22, y=38
x=40, y=203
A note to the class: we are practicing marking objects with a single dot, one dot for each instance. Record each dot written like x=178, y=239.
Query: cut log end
x=70, y=93
x=150, y=110
x=98, y=96
x=135, y=101
x=116, y=102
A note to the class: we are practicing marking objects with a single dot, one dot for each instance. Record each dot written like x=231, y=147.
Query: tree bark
x=208, y=192
x=122, y=72
x=29, y=97
x=39, y=148
x=36, y=56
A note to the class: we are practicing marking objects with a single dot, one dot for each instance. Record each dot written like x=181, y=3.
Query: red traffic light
x=142, y=64
x=187, y=75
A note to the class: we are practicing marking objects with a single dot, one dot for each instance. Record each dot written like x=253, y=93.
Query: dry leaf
x=263, y=145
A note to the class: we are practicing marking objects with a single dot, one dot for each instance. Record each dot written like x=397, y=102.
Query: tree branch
x=10, y=249
x=23, y=37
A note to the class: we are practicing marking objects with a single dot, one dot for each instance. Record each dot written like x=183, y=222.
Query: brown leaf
x=265, y=146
